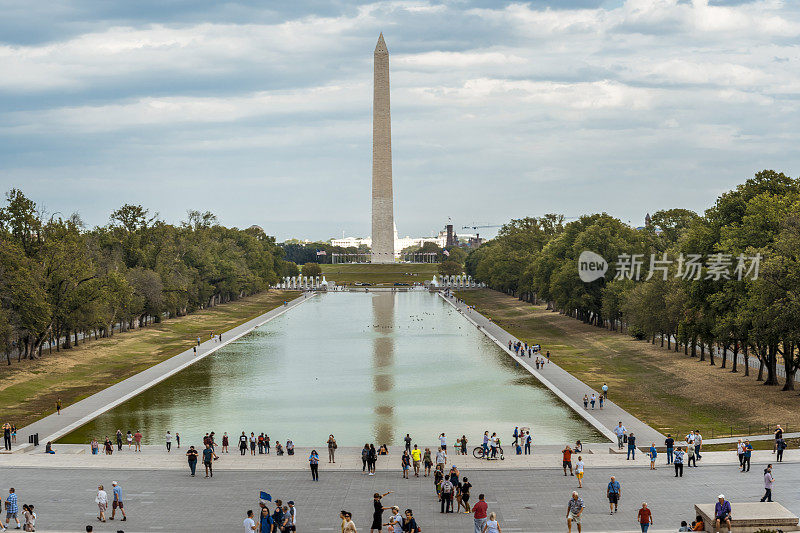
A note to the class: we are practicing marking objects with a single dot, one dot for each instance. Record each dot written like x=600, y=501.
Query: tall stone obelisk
x=382, y=196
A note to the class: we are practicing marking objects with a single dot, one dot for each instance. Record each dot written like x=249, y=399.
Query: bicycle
x=479, y=453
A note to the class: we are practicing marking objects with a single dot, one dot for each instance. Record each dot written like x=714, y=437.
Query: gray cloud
x=500, y=110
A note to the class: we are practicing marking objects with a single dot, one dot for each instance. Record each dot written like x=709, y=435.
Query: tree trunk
x=746, y=354
x=735, y=359
x=772, y=365
x=694, y=346
x=711, y=352
x=789, y=365
x=702, y=351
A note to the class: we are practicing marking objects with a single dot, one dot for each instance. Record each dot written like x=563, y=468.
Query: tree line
x=714, y=285
x=61, y=282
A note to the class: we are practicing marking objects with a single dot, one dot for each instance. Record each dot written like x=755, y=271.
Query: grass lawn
x=29, y=389
x=349, y=274
x=670, y=391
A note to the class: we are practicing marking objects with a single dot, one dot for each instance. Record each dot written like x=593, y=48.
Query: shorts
x=116, y=504
x=10, y=516
x=207, y=463
x=566, y=464
x=405, y=467
x=613, y=498
x=575, y=518
x=465, y=497
x=102, y=507
x=579, y=475
x=416, y=464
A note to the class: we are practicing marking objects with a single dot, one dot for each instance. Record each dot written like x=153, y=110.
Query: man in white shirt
x=291, y=525
x=698, y=442
x=249, y=524
x=443, y=441
x=441, y=459
x=619, y=431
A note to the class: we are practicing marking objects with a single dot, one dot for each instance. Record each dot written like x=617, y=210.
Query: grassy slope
x=670, y=391
x=28, y=390
x=379, y=274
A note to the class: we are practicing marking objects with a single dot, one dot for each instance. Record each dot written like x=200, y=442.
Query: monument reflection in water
x=365, y=367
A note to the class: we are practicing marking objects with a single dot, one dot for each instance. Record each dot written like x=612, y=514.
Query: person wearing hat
x=117, y=501
x=722, y=513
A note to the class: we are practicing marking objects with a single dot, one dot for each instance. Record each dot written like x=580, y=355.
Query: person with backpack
x=332, y=449
x=410, y=524
x=447, y=495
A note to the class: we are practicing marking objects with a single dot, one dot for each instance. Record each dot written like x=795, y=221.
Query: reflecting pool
x=367, y=367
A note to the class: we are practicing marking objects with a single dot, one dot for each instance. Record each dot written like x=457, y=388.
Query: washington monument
x=382, y=197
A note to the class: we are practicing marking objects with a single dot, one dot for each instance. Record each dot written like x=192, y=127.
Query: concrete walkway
x=73, y=416
x=564, y=385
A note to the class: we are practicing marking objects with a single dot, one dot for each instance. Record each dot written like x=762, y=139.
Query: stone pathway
x=532, y=501
x=566, y=386
x=73, y=416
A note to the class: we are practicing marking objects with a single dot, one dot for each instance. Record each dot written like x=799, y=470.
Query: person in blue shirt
x=722, y=513
x=631, y=447
x=117, y=503
x=614, y=491
x=653, y=454
x=748, y=451
x=265, y=520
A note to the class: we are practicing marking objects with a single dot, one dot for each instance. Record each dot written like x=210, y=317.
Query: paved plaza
x=525, y=500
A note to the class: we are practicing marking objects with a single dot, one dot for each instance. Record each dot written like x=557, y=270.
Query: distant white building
x=400, y=243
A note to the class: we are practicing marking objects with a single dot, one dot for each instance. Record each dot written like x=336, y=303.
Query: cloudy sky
x=261, y=111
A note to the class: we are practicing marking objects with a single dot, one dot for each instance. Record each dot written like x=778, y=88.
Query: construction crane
x=484, y=226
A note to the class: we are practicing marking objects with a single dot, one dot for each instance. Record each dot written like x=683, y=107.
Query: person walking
x=619, y=431
x=586, y=401
x=427, y=462
x=372, y=459
x=377, y=512
x=313, y=462
x=12, y=508
x=479, y=513
x=614, y=492
x=645, y=517
x=191, y=456
x=778, y=435
x=291, y=517
x=443, y=441
x=528, y=443
x=698, y=444
x=631, y=447
x=102, y=503
x=416, y=456
x=592, y=400
x=678, y=462
x=669, y=442
x=463, y=491
x=690, y=456
x=7, y=436
x=407, y=440
x=119, y=440
x=491, y=525
x=579, y=466
x=441, y=459
x=604, y=388
x=768, y=481
x=447, y=495
x=575, y=509
x=332, y=449
x=129, y=438
x=168, y=440
x=405, y=462
x=740, y=452
x=117, y=501
x=58, y=406
x=653, y=454
x=208, y=460
x=748, y=452
x=178, y=440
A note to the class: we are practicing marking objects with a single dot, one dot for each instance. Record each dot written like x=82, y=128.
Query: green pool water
x=367, y=367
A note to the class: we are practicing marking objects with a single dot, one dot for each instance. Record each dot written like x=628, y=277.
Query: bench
x=752, y=516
